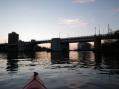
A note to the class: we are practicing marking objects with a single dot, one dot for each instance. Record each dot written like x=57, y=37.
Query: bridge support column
x=97, y=44
x=59, y=57
x=65, y=51
x=65, y=47
x=56, y=45
x=98, y=55
x=60, y=51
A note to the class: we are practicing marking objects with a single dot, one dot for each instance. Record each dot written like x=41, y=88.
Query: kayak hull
x=35, y=83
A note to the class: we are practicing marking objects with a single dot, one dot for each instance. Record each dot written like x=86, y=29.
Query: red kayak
x=35, y=83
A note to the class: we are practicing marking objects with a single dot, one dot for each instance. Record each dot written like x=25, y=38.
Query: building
x=13, y=38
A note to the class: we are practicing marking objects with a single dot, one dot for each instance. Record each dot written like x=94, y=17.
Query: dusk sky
x=46, y=19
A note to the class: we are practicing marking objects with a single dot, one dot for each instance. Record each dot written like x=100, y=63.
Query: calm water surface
x=74, y=70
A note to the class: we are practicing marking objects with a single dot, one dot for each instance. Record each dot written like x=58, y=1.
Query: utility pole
x=99, y=29
x=95, y=30
x=103, y=30
x=108, y=28
x=59, y=34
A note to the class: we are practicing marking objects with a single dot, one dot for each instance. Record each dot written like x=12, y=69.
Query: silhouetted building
x=12, y=63
x=13, y=38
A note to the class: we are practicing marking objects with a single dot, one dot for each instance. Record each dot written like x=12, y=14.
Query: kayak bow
x=35, y=83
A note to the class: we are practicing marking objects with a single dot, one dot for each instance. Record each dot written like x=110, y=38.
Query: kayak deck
x=35, y=83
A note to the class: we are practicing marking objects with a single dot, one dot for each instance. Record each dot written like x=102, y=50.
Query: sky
x=46, y=19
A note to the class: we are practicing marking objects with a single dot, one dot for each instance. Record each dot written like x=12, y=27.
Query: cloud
x=116, y=10
x=83, y=1
x=71, y=21
x=75, y=22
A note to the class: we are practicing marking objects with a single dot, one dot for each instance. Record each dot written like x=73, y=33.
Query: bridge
x=78, y=39
x=59, y=44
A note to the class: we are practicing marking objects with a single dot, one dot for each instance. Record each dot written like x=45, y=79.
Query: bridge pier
x=97, y=44
x=59, y=57
x=98, y=55
x=65, y=51
x=60, y=51
x=65, y=47
x=57, y=45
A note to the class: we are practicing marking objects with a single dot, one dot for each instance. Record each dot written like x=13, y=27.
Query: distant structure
x=21, y=45
x=15, y=44
x=57, y=44
x=13, y=38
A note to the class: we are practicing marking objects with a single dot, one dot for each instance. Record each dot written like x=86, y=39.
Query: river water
x=73, y=70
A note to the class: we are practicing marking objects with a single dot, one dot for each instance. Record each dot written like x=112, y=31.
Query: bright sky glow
x=46, y=19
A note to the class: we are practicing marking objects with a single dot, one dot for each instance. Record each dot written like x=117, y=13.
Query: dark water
x=73, y=70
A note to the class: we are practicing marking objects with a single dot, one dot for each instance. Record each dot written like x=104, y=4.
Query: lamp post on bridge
x=59, y=34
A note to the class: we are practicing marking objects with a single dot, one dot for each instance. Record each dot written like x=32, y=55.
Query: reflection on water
x=12, y=61
x=83, y=58
x=59, y=57
x=73, y=70
x=111, y=62
x=86, y=58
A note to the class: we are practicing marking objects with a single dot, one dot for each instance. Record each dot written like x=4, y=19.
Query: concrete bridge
x=59, y=44
x=91, y=38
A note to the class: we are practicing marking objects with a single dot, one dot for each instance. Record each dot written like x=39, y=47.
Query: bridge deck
x=77, y=39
